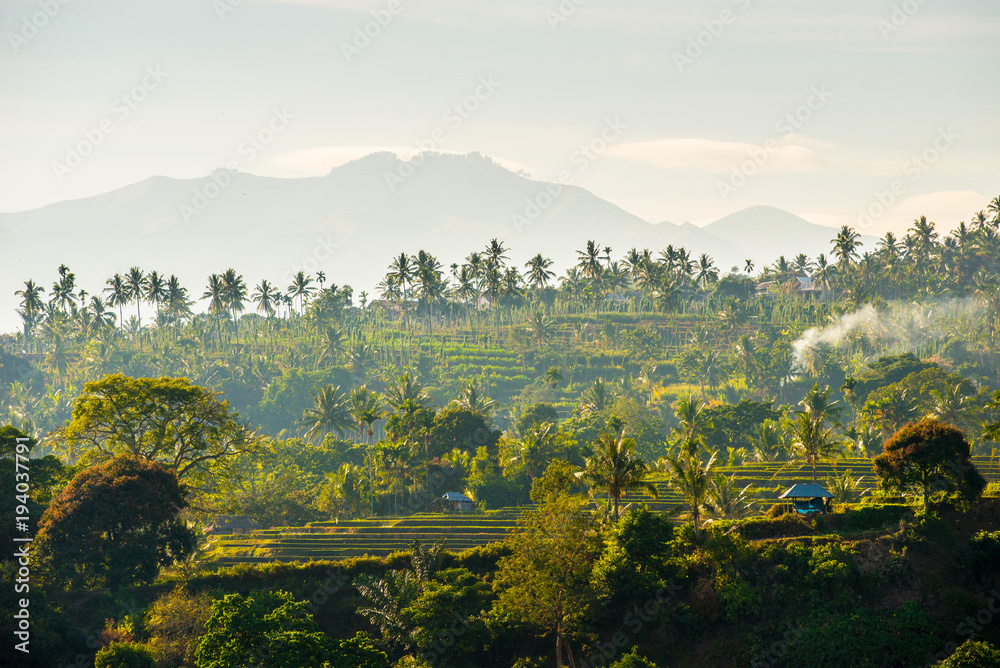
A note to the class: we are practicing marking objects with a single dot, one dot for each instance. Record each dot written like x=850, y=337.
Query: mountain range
x=352, y=222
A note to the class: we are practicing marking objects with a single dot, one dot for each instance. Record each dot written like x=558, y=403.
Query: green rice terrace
x=381, y=536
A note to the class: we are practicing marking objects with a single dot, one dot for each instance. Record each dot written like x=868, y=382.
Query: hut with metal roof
x=458, y=502
x=807, y=498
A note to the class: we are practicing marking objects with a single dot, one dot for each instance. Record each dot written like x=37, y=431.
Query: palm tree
x=332, y=345
x=156, y=290
x=589, y=262
x=615, y=468
x=538, y=271
x=748, y=266
x=300, y=288
x=31, y=304
x=135, y=282
x=215, y=293
x=726, y=501
x=540, y=327
x=596, y=398
x=693, y=420
x=495, y=254
x=331, y=413
x=118, y=296
x=693, y=481
x=406, y=388
x=814, y=442
x=846, y=244
x=707, y=273
x=235, y=293
x=473, y=399
x=265, y=297
x=178, y=306
x=818, y=406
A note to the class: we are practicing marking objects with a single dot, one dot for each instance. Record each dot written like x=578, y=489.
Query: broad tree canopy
x=167, y=420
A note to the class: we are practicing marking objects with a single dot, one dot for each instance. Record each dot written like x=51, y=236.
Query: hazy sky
x=706, y=106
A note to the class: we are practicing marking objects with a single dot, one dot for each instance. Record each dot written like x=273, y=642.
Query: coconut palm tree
x=596, y=398
x=707, y=272
x=331, y=345
x=118, y=296
x=330, y=413
x=264, y=297
x=235, y=294
x=616, y=469
x=693, y=422
x=215, y=293
x=178, y=306
x=692, y=479
x=726, y=501
x=813, y=442
x=540, y=326
x=846, y=244
x=300, y=288
x=31, y=304
x=538, y=271
x=472, y=399
x=406, y=388
x=135, y=282
x=156, y=290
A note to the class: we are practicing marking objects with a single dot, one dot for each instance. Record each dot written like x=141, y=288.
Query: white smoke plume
x=901, y=328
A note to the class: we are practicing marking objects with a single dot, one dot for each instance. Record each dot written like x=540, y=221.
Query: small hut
x=458, y=502
x=808, y=498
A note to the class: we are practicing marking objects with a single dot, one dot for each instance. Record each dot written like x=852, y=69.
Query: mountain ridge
x=348, y=223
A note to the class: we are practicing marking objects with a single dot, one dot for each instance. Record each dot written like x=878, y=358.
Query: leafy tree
x=273, y=630
x=535, y=414
x=633, y=660
x=457, y=426
x=125, y=655
x=545, y=581
x=114, y=524
x=167, y=420
x=448, y=628
x=175, y=622
x=972, y=654
x=932, y=457
x=635, y=563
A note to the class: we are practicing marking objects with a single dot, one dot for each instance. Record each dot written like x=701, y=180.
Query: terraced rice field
x=381, y=536
x=355, y=538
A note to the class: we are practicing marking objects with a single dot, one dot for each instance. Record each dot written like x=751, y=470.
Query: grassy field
x=383, y=535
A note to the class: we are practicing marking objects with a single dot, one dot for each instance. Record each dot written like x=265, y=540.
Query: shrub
x=873, y=516
x=972, y=654
x=125, y=655
x=984, y=549
x=633, y=660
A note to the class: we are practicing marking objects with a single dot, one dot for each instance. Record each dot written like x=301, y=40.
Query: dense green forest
x=624, y=430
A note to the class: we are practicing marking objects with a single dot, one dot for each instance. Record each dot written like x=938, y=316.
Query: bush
x=972, y=654
x=633, y=660
x=125, y=655
x=984, y=550
x=874, y=516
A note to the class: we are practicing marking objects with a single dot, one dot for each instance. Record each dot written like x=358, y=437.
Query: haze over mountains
x=352, y=222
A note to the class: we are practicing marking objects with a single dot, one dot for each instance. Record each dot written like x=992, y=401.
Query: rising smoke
x=898, y=329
